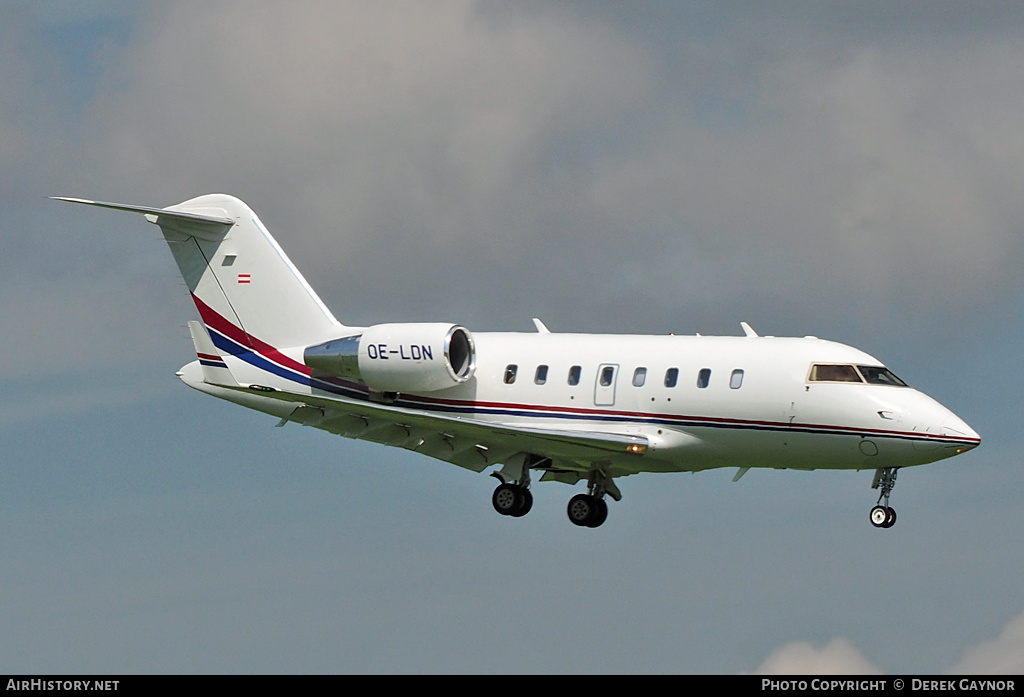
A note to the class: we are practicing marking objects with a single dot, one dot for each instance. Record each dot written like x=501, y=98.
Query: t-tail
x=249, y=294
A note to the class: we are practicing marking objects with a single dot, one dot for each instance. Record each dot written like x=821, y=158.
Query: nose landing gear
x=882, y=516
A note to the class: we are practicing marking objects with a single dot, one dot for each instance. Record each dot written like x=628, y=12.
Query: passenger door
x=604, y=387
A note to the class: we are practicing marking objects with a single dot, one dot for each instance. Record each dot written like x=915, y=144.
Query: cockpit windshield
x=878, y=375
x=870, y=374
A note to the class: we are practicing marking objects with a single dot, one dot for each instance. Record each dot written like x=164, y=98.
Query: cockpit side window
x=823, y=372
x=879, y=375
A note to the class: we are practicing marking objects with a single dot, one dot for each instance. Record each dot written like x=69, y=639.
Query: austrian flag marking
x=245, y=278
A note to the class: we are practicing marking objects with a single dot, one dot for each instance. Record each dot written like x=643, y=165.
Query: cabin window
x=671, y=377
x=834, y=373
x=704, y=378
x=639, y=377
x=574, y=375
x=607, y=375
x=877, y=375
x=510, y=374
x=736, y=379
x=541, y=376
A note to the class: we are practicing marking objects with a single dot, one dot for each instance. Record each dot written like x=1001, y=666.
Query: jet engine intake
x=408, y=357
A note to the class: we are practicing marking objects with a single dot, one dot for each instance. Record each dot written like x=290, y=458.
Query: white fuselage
x=735, y=401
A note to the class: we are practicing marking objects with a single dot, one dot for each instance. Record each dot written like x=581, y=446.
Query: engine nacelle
x=414, y=357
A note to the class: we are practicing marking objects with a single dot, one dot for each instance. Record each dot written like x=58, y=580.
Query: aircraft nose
x=955, y=427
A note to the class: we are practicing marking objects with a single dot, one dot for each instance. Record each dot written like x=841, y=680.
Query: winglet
x=541, y=329
x=747, y=330
x=215, y=370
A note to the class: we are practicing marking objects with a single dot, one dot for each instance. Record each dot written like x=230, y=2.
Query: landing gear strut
x=882, y=516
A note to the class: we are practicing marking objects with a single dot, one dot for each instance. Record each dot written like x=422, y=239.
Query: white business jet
x=566, y=407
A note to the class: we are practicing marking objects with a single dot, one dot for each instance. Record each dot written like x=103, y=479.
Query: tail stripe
x=241, y=341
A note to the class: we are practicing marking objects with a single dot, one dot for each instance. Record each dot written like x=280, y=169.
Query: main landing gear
x=512, y=499
x=589, y=510
x=585, y=510
x=882, y=516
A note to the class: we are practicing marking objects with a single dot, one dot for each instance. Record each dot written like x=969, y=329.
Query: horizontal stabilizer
x=209, y=227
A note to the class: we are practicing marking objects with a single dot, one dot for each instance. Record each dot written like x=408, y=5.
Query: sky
x=847, y=170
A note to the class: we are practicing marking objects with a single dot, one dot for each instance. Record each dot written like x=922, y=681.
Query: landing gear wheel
x=512, y=499
x=587, y=511
x=524, y=501
x=600, y=513
x=892, y=518
x=505, y=499
x=883, y=517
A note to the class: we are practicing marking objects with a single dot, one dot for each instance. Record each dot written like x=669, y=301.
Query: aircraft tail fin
x=248, y=293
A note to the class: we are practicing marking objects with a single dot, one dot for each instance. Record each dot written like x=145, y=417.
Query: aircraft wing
x=467, y=442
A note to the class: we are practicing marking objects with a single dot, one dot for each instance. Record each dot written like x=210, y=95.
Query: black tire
x=891, y=519
x=880, y=516
x=524, y=501
x=506, y=499
x=581, y=509
x=600, y=513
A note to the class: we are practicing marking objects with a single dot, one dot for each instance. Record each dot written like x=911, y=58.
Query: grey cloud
x=480, y=161
x=401, y=142
x=421, y=152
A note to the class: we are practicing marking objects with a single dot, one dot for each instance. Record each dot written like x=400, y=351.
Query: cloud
x=1003, y=655
x=838, y=657
x=410, y=145
x=882, y=174
x=486, y=162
